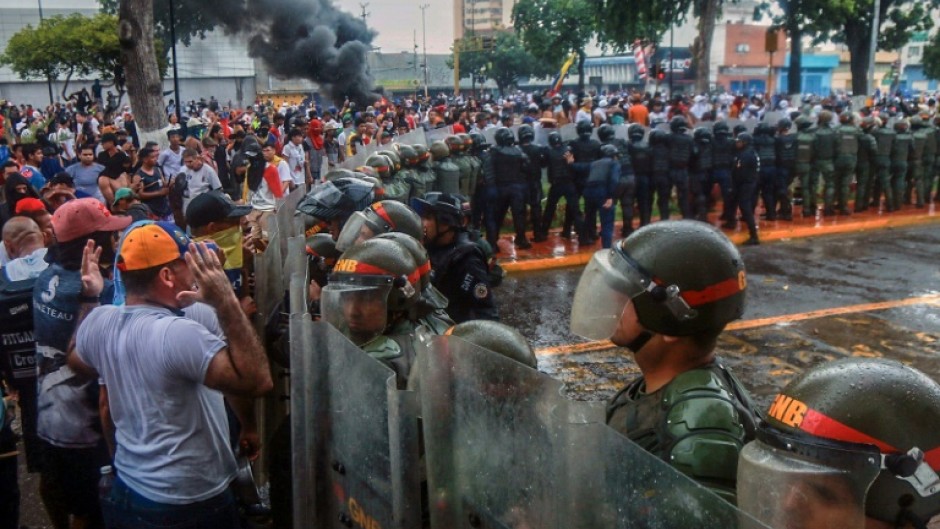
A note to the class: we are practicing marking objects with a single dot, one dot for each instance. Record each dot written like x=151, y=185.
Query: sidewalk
x=558, y=252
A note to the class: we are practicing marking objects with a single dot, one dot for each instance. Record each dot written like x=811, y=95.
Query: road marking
x=600, y=345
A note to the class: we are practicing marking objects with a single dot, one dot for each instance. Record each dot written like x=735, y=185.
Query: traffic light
x=488, y=42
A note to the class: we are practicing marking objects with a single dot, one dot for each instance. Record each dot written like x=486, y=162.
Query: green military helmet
x=504, y=137
x=902, y=125
x=479, y=142
x=467, y=142
x=916, y=122
x=409, y=156
x=339, y=172
x=379, y=186
x=454, y=143
x=678, y=125
x=526, y=133
x=869, y=123
x=439, y=150
x=381, y=217
x=824, y=118
x=394, y=157
x=803, y=123
x=867, y=424
x=364, y=171
x=847, y=117
x=418, y=253
x=423, y=153
x=605, y=133
x=381, y=164
x=683, y=278
x=321, y=256
x=497, y=337
x=636, y=131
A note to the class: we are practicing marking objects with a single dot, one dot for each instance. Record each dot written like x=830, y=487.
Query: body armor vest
x=679, y=150
x=640, y=157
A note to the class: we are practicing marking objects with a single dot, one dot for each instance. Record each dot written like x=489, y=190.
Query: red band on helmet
x=722, y=290
x=424, y=269
x=355, y=267
x=379, y=210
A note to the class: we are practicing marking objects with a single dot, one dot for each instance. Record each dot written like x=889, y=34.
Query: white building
x=218, y=65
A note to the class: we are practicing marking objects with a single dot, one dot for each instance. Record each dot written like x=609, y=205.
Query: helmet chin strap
x=637, y=343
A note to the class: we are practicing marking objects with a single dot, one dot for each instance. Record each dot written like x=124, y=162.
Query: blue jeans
x=126, y=509
x=594, y=208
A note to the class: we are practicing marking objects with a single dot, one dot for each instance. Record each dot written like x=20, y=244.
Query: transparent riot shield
x=286, y=213
x=355, y=436
x=568, y=132
x=269, y=276
x=504, y=449
x=439, y=134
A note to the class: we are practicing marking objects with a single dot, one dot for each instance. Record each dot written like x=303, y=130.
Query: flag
x=556, y=86
x=639, y=57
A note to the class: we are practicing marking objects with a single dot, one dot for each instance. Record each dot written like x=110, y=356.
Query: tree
x=65, y=47
x=932, y=58
x=138, y=55
x=505, y=63
x=192, y=19
x=552, y=29
x=850, y=22
x=793, y=17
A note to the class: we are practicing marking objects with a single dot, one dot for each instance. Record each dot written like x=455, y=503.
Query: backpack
x=18, y=357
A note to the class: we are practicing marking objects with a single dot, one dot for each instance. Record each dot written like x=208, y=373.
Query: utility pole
x=364, y=13
x=176, y=77
x=671, y=64
x=415, y=55
x=424, y=38
x=48, y=78
x=874, y=47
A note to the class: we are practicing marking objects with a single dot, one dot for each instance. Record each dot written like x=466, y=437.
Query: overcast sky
x=396, y=22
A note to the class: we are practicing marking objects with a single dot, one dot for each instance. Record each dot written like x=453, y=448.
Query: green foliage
x=66, y=47
x=505, y=63
x=193, y=19
x=932, y=57
x=620, y=23
x=552, y=29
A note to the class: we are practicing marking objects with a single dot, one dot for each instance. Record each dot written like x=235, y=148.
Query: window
x=913, y=51
x=743, y=48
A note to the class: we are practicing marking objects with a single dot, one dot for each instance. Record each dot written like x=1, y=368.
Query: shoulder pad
x=382, y=348
x=705, y=425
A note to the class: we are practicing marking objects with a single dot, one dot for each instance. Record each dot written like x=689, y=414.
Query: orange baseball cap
x=150, y=245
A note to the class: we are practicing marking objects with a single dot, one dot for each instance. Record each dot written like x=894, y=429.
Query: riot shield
x=269, y=276
x=286, y=217
x=505, y=449
x=355, y=436
x=439, y=134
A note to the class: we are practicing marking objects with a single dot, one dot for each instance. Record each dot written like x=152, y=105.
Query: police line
x=477, y=440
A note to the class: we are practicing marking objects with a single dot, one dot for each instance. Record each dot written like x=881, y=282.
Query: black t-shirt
x=114, y=165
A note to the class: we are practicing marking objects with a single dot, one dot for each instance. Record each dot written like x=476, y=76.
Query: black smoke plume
x=306, y=38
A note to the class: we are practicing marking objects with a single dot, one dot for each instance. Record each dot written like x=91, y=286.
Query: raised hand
x=212, y=285
x=92, y=282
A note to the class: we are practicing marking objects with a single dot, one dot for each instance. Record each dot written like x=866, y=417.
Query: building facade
x=476, y=17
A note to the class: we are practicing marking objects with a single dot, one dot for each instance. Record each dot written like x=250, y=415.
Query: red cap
x=82, y=217
x=29, y=205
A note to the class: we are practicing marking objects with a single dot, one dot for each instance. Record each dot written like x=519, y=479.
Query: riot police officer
x=510, y=166
x=930, y=155
x=666, y=293
x=744, y=175
x=805, y=170
x=824, y=153
x=469, y=153
x=786, y=151
x=702, y=166
x=659, y=147
x=456, y=147
x=867, y=151
x=884, y=138
x=599, y=192
x=680, y=155
x=847, y=144
x=484, y=180
x=722, y=159
x=585, y=150
x=830, y=454
x=641, y=158
x=765, y=145
x=424, y=173
x=446, y=172
x=537, y=161
x=626, y=190
x=393, y=188
x=902, y=150
x=334, y=201
x=561, y=179
x=381, y=217
x=459, y=267
x=915, y=172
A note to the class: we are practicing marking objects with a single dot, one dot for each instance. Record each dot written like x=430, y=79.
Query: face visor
x=358, y=228
x=608, y=283
x=791, y=482
x=357, y=305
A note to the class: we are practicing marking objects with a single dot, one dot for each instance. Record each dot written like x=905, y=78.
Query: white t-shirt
x=171, y=430
x=296, y=158
x=26, y=267
x=263, y=199
x=171, y=162
x=198, y=182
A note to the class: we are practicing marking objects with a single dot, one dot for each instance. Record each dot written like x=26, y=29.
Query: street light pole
x=874, y=47
x=176, y=77
x=48, y=78
x=424, y=38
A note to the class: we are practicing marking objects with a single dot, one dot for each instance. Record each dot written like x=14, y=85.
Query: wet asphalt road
x=784, y=278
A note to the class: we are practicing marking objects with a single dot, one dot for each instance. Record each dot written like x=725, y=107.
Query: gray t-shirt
x=198, y=182
x=86, y=179
x=171, y=430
